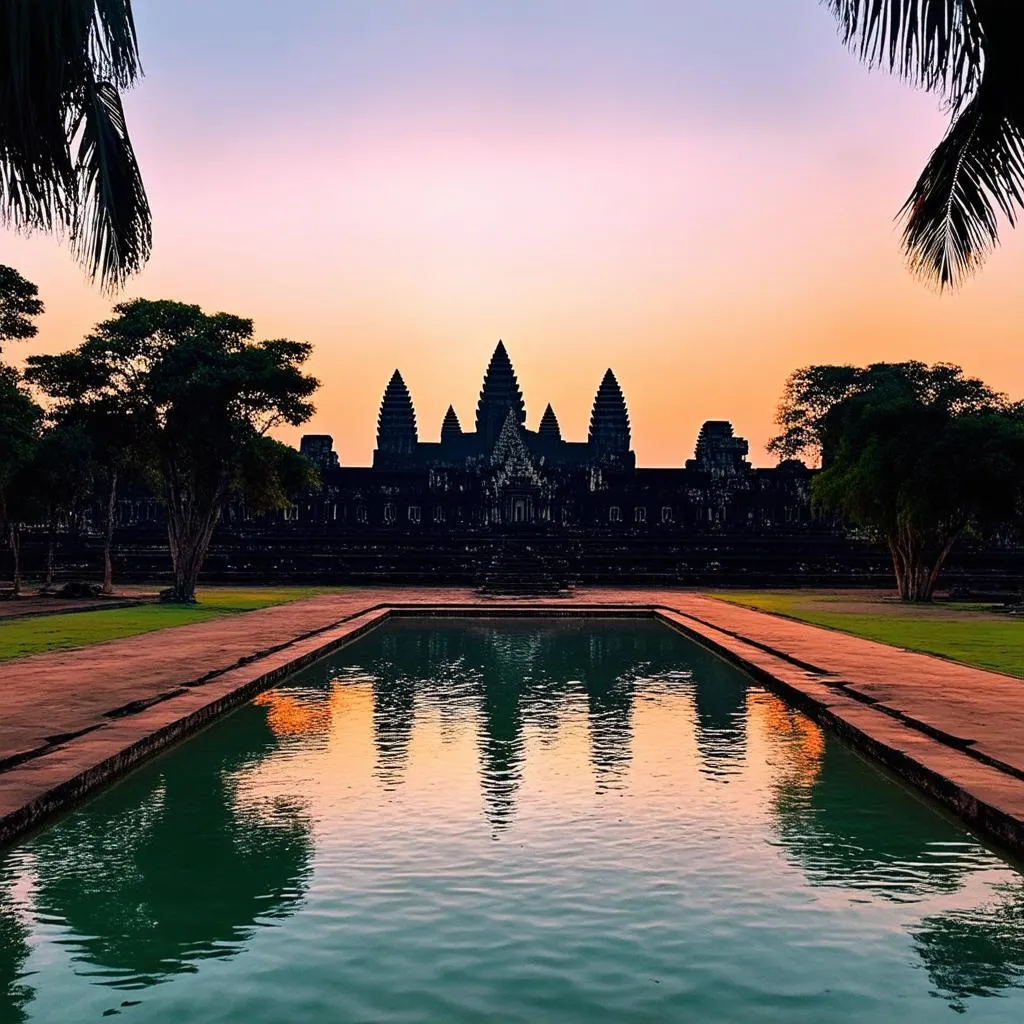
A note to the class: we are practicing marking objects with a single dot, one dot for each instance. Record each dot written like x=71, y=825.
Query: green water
x=510, y=821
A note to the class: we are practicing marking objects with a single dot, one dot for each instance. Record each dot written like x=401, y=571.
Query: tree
x=969, y=52
x=62, y=475
x=19, y=304
x=200, y=397
x=66, y=159
x=111, y=423
x=918, y=455
x=20, y=420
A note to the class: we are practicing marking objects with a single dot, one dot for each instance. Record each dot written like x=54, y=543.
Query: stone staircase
x=516, y=570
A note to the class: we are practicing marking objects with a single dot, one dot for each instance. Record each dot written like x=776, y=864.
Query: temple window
x=615, y=514
x=438, y=513
x=666, y=513
x=389, y=513
x=414, y=513
x=361, y=514
x=640, y=514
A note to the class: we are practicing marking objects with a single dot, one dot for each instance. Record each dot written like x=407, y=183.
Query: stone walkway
x=71, y=720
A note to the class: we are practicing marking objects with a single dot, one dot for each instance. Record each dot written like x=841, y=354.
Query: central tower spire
x=609, y=421
x=499, y=395
x=396, y=421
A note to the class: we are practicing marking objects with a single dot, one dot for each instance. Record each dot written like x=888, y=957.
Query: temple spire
x=499, y=395
x=396, y=423
x=549, y=428
x=609, y=420
x=450, y=428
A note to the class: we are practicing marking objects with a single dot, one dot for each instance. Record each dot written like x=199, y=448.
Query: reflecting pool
x=510, y=820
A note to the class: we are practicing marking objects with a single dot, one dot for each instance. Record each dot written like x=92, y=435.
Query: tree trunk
x=51, y=530
x=916, y=572
x=108, y=535
x=190, y=528
x=14, y=536
x=186, y=572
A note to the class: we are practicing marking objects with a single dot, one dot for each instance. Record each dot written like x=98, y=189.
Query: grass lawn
x=973, y=634
x=34, y=634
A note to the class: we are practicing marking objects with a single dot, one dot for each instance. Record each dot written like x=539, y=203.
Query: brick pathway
x=70, y=720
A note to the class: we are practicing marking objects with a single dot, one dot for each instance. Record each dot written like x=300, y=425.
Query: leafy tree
x=969, y=52
x=20, y=420
x=66, y=160
x=200, y=397
x=919, y=455
x=111, y=424
x=63, y=473
x=19, y=304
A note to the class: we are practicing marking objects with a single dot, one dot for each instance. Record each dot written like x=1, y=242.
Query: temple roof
x=450, y=427
x=499, y=394
x=609, y=419
x=549, y=428
x=396, y=422
x=510, y=450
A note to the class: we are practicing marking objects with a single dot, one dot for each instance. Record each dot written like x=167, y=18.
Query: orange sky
x=703, y=241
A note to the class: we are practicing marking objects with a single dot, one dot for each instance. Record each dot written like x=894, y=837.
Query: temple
x=500, y=425
x=494, y=498
x=502, y=473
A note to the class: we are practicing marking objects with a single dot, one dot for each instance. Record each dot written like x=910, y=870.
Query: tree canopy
x=195, y=397
x=66, y=159
x=918, y=455
x=969, y=53
x=19, y=306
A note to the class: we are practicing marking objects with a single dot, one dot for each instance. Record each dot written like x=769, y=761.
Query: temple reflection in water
x=503, y=734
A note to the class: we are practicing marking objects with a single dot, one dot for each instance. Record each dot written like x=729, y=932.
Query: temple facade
x=501, y=474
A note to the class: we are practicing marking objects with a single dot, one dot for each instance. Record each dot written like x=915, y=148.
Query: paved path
x=69, y=720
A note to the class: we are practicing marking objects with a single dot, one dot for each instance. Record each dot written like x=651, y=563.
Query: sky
x=700, y=194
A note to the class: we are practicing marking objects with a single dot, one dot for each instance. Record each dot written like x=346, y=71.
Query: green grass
x=38, y=633
x=967, y=633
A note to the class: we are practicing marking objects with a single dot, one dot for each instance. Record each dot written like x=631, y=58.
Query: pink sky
x=699, y=241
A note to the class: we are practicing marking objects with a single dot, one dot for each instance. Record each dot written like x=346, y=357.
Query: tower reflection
x=720, y=703
x=526, y=674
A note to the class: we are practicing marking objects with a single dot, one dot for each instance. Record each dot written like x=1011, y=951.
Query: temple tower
x=500, y=394
x=719, y=452
x=396, y=423
x=451, y=429
x=609, y=421
x=549, y=429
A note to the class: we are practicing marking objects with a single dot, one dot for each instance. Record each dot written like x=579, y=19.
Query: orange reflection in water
x=795, y=744
x=288, y=716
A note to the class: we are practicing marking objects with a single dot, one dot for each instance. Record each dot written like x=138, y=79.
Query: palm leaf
x=974, y=174
x=62, y=63
x=970, y=52
x=112, y=230
x=936, y=44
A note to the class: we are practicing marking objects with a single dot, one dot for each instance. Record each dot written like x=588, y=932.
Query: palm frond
x=114, y=45
x=62, y=63
x=974, y=174
x=112, y=230
x=936, y=44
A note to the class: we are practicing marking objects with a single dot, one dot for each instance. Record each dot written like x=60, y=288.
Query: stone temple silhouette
x=503, y=474
x=500, y=428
